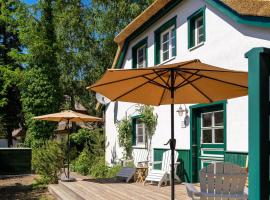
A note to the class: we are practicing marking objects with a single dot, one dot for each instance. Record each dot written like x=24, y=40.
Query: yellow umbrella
x=68, y=116
x=180, y=83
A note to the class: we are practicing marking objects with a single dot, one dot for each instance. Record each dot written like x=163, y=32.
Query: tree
x=10, y=106
x=41, y=93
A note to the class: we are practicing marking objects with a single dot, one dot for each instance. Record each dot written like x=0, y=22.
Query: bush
x=48, y=160
x=99, y=169
x=83, y=163
x=113, y=171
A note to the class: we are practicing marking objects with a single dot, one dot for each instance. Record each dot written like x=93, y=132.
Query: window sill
x=197, y=46
x=139, y=147
x=166, y=61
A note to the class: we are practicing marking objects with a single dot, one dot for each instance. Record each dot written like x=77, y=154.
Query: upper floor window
x=139, y=54
x=165, y=41
x=196, y=28
x=168, y=44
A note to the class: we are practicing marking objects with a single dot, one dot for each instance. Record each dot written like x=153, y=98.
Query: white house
x=217, y=32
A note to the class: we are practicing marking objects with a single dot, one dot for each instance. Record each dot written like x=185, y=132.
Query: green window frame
x=157, y=38
x=134, y=132
x=135, y=48
x=194, y=35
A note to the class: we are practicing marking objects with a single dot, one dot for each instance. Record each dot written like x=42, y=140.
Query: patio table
x=141, y=173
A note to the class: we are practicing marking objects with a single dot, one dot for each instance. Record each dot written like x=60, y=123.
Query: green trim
x=158, y=32
x=134, y=52
x=241, y=19
x=258, y=105
x=191, y=26
x=167, y=8
x=238, y=158
x=194, y=111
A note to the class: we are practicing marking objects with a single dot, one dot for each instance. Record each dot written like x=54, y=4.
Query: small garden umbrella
x=179, y=83
x=68, y=116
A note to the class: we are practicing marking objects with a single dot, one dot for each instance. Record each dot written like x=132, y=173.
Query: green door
x=209, y=138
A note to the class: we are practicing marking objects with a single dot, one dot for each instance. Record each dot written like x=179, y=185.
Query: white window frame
x=143, y=47
x=169, y=30
x=144, y=134
x=196, y=39
x=213, y=127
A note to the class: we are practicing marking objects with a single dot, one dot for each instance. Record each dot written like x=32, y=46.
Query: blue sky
x=30, y=1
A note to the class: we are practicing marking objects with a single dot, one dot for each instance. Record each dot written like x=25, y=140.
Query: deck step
x=61, y=192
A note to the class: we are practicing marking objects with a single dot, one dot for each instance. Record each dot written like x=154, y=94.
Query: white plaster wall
x=225, y=46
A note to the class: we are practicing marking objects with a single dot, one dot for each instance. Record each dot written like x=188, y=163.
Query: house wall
x=225, y=46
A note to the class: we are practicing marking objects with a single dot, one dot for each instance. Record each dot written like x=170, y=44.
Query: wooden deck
x=87, y=189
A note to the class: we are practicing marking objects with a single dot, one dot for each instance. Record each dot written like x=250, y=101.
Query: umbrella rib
x=166, y=83
x=155, y=83
x=203, y=76
x=209, y=99
x=135, y=88
x=162, y=96
x=211, y=70
x=184, y=81
x=125, y=79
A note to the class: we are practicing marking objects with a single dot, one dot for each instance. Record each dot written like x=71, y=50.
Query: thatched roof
x=243, y=7
x=259, y=8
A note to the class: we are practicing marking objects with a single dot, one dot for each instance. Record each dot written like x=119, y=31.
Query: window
x=139, y=54
x=196, y=28
x=140, y=132
x=212, y=127
x=167, y=44
x=165, y=41
x=141, y=57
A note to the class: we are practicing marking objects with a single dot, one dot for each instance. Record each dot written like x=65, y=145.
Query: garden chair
x=220, y=181
x=139, y=159
x=163, y=175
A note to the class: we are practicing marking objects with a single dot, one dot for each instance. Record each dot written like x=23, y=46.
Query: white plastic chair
x=220, y=181
x=163, y=175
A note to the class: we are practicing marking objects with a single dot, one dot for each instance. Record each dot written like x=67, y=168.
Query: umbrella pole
x=172, y=140
x=68, y=147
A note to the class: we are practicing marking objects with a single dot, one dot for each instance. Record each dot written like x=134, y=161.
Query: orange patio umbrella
x=68, y=116
x=179, y=83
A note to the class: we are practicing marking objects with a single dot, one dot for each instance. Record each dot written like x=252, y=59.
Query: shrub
x=113, y=171
x=124, y=128
x=48, y=160
x=99, y=169
x=83, y=163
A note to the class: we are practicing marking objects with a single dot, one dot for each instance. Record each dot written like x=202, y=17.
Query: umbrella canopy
x=193, y=82
x=185, y=82
x=68, y=115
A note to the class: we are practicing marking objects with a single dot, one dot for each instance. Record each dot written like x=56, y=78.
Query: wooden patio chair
x=139, y=159
x=163, y=175
x=220, y=181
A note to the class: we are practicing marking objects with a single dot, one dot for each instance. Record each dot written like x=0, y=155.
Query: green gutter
x=241, y=19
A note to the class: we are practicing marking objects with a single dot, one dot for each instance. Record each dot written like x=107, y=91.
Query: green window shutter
x=157, y=48
x=191, y=33
x=174, y=42
x=134, y=131
x=204, y=32
x=134, y=58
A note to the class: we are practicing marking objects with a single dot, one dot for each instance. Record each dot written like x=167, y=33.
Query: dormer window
x=141, y=57
x=165, y=42
x=196, y=29
x=139, y=54
x=168, y=44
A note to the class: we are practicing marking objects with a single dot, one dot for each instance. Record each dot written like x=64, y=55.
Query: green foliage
x=83, y=163
x=99, y=169
x=48, y=160
x=94, y=139
x=113, y=171
x=124, y=128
